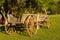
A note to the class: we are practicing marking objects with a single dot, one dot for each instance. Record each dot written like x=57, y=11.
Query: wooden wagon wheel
x=5, y=22
x=8, y=28
x=31, y=26
x=46, y=22
x=6, y=25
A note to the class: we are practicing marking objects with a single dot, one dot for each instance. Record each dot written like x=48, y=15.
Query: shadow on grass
x=21, y=30
x=2, y=29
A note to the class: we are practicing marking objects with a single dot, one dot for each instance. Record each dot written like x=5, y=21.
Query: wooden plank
x=24, y=17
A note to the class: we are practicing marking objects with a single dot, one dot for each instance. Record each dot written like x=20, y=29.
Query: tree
x=42, y=6
x=59, y=7
x=46, y=5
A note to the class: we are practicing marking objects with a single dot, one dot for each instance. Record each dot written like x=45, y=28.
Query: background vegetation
x=31, y=6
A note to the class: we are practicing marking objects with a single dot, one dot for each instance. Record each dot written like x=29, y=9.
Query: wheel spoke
x=31, y=26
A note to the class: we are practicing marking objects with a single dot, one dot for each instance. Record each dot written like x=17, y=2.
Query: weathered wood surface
x=31, y=21
x=12, y=19
x=37, y=17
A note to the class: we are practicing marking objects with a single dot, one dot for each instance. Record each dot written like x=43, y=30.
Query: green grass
x=53, y=33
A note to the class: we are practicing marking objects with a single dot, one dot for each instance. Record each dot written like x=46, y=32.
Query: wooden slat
x=13, y=20
x=24, y=16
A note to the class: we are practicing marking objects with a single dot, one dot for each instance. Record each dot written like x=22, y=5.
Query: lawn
x=53, y=33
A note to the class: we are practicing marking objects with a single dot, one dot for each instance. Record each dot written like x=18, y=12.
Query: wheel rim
x=31, y=26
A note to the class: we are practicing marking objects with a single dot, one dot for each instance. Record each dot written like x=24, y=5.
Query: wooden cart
x=32, y=22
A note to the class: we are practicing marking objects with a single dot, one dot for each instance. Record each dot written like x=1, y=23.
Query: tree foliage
x=34, y=6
